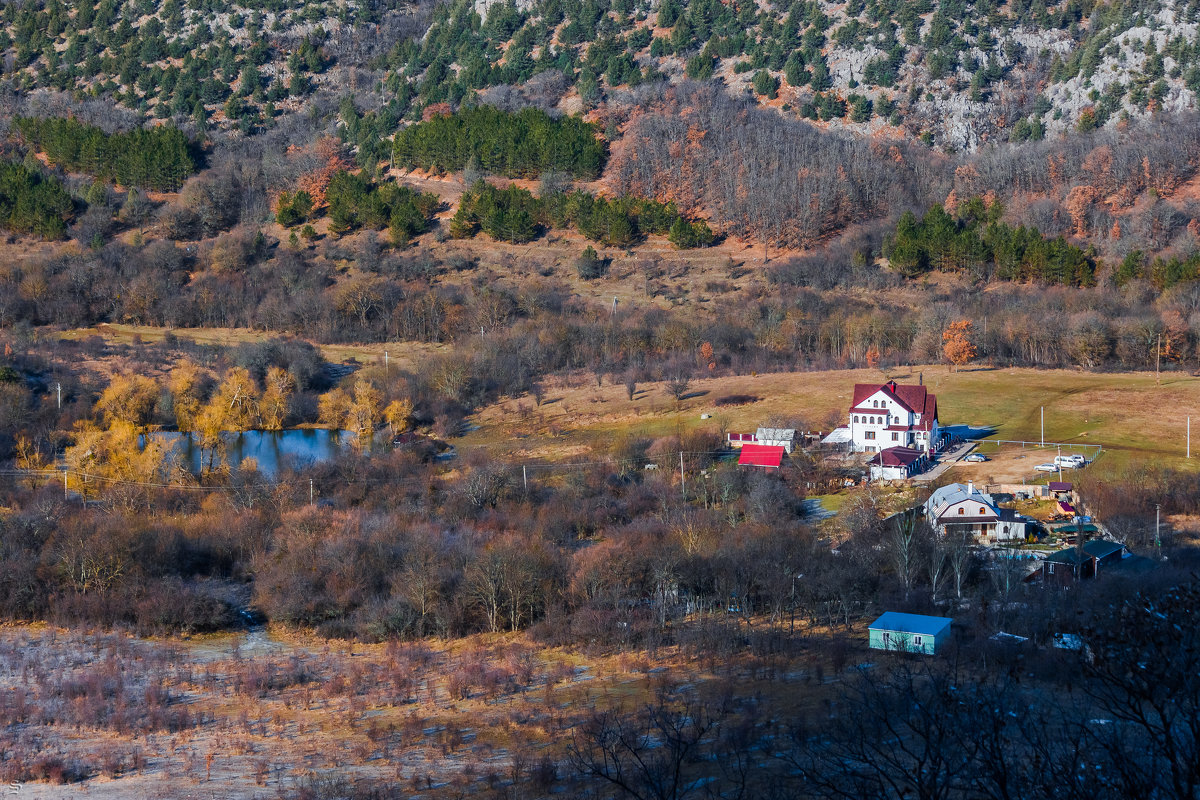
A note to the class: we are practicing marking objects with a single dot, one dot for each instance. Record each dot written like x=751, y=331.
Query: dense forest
x=32, y=203
x=515, y=215
x=521, y=145
x=974, y=241
x=156, y=158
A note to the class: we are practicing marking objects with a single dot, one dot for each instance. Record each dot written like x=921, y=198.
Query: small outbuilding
x=897, y=464
x=761, y=455
x=777, y=437
x=909, y=633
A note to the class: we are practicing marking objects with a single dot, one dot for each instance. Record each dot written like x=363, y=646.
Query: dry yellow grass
x=400, y=354
x=348, y=718
x=1130, y=414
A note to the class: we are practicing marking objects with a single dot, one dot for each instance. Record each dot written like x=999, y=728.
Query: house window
x=982, y=511
x=917, y=639
x=895, y=436
x=962, y=511
x=870, y=434
x=875, y=404
x=856, y=418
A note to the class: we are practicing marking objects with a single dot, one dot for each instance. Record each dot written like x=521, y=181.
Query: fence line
x=1039, y=445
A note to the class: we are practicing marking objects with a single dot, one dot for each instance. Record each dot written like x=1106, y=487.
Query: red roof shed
x=761, y=455
x=897, y=457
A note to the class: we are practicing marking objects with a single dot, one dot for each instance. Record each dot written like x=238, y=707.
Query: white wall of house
x=969, y=508
x=879, y=473
x=870, y=419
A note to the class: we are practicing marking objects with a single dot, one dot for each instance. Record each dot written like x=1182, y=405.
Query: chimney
x=970, y=488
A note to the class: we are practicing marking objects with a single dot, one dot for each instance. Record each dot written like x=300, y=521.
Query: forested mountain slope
x=957, y=73
x=372, y=170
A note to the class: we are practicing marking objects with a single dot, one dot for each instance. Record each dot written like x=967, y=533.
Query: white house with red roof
x=891, y=415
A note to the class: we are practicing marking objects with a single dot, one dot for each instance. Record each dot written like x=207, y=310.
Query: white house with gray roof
x=776, y=437
x=958, y=509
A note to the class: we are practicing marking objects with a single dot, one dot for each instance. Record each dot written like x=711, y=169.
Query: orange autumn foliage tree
x=332, y=160
x=956, y=343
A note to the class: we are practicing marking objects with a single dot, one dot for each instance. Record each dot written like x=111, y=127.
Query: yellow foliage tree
x=208, y=426
x=397, y=415
x=109, y=458
x=237, y=399
x=366, y=409
x=956, y=343
x=276, y=399
x=129, y=398
x=186, y=385
x=333, y=408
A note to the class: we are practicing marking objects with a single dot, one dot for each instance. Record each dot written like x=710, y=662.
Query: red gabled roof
x=761, y=455
x=912, y=398
x=897, y=457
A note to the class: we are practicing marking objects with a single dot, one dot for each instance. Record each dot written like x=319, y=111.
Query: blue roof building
x=909, y=633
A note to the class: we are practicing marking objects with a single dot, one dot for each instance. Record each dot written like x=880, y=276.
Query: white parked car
x=1046, y=468
x=976, y=457
x=1074, y=461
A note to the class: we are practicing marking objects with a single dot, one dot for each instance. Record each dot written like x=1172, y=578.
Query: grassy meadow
x=1132, y=415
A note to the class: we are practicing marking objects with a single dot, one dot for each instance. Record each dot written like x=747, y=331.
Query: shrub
x=591, y=266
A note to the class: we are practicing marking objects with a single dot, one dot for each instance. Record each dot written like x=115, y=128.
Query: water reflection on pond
x=272, y=450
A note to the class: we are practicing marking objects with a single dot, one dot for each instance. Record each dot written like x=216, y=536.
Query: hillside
x=957, y=74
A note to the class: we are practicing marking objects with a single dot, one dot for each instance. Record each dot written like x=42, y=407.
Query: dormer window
x=982, y=511
x=962, y=511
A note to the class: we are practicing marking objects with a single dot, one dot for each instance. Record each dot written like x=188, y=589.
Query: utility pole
x=1189, y=438
x=386, y=370
x=1158, y=360
x=525, y=478
x=1043, y=426
x=310, y=491
x=60, y=396
x=1157, y=538
x=1079, y=551
x=66, y=494
x=682, y=476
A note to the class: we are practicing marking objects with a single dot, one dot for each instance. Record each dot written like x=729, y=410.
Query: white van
x=1073, y=461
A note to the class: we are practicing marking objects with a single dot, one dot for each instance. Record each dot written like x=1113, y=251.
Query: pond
x=272, y=450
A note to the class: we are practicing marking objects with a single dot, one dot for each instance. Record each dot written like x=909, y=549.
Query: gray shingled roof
x=950, y=494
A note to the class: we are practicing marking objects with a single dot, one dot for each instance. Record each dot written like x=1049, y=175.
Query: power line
x=92, y=476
